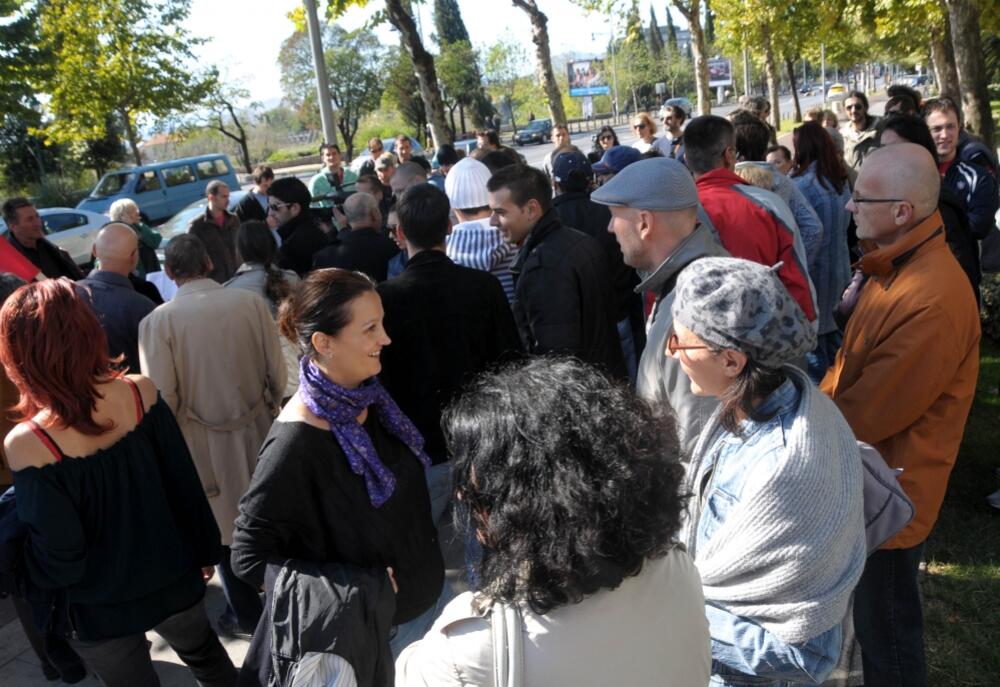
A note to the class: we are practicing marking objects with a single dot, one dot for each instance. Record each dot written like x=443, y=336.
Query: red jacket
x=751, y=231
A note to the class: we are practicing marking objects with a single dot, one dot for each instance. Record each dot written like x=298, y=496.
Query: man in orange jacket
x=904, y=378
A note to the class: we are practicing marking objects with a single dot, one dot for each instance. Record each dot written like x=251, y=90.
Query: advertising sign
x=587, y=77
x=720, y=72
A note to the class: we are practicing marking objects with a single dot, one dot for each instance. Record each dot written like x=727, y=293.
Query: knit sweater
x=789, y=554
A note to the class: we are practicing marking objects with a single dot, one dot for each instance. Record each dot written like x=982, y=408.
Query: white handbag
x=508, y=645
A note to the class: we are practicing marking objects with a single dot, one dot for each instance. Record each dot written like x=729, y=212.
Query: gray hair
x=118, y=209
x=186, y=257
x=359, y=207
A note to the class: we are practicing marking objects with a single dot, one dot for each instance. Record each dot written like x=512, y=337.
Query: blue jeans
x=888, y=619
x=242, y=601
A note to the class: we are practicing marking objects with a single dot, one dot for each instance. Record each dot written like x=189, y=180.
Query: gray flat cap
x=657, y=184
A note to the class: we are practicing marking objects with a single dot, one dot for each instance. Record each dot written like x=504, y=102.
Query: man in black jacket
x=301, y=238
x=563, y=296
x=254, y=204
x=447, y=324
x=571, y=182
x=27, y=234
x=361, y=245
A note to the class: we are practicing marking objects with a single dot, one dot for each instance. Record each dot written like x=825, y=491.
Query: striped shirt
x=480, y=246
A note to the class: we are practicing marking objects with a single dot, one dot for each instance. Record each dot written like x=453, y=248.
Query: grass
x=962, y=585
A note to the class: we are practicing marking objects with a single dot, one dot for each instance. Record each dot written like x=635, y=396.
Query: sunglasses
x=854, y=107
x=638, y=126
x=276, y=207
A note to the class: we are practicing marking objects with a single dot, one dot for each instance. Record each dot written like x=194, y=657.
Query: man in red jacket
x=752, y=223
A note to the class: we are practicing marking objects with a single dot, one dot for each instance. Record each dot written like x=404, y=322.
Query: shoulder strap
x=44, y=437
x=508, y=647
x=140, y=407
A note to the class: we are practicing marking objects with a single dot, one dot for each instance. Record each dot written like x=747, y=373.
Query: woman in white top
x=570, y=485
x=645, y=128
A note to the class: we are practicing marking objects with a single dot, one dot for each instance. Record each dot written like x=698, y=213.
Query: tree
x=691, y=11
x=353, y=61
x=671, y=34
x=222, y=116
x=129, y=58
x=964, y=16
x=21, y=61
x=943, y=58
x=655, y=39
x=461, y=83
x=543, y=59
x=448, y=23
x=402, y=90
x=504, y=63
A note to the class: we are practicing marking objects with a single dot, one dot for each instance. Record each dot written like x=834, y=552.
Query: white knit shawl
x=790, y=553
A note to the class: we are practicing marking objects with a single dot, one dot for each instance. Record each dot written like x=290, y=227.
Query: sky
x=244, y=43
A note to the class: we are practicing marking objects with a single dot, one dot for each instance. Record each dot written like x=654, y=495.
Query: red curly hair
x=56, y=353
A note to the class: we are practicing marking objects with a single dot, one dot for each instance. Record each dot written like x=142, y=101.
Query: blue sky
x=245, y=39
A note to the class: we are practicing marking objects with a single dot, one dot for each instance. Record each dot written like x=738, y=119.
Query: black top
x=447, y=323
x=306, y=503
x=365, y=250
x=125, y=530
x=563, y=298
x=50, y=259
x=220, y=242
x=120, y=309
x=249, y=208
x=301, y=239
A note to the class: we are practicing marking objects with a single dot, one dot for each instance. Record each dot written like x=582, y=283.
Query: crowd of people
x=638, y=377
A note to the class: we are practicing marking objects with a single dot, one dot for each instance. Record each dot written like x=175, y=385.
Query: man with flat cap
x=654, y=217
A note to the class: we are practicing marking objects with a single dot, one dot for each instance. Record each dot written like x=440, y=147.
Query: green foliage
x=401, y=90
x=458, y=75
x=671, y=34
x=21, y=61
x=130, y=58
x=990, y=313
x=504, y=63
x=448, y=23
x=655, y=39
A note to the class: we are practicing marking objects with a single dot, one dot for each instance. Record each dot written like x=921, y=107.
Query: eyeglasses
x=674, y=345
x=638, y=126
x=276, y=207
x=857, y=106
x=857, y=200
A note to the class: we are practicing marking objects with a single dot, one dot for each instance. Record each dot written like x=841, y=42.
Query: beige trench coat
x=215, y=357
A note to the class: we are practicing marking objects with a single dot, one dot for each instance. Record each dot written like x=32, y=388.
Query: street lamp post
x=322, y=82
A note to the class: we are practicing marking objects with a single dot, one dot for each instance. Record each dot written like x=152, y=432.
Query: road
x=535, y=154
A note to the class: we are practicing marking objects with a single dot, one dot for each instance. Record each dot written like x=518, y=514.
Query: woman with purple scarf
x=341, y=474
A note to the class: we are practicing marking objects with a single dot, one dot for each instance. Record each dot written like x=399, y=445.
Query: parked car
x=836, y=89
x=388, y=144
x=161, y=189
x=178, y=224
x=72, y=230
x=537, y=131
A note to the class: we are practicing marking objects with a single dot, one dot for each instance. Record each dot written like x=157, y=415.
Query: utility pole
x=614, y=66
x=319, y=66
x=822, y=61
x=746, y=72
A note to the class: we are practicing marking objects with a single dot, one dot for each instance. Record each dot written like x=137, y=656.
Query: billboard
x=720, y=72
x=587, y=77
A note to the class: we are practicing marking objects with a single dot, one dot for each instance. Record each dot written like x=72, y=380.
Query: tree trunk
x=691, y=11
x=773, y=80
x=423, y=67
x=461, y=118
x=943, y=59
x=543, y=59
x=790, y=66
x=971, y=68
x=131, y=135
x=242, y=138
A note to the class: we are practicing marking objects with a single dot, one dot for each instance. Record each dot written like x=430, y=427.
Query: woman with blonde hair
x=645, y=128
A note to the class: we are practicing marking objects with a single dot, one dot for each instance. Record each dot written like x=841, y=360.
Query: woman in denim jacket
x=775, y=523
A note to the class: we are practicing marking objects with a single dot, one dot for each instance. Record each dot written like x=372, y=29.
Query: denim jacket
x=743, y=652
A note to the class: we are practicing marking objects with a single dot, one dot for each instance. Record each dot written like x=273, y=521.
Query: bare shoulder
x=296, y=411
x=25, y=450
x=146, y=388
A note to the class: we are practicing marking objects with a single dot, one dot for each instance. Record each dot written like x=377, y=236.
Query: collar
x=196, y=285
x=427, y=256
x=250, y=267
x=569, y=197
x=719, y=177
x=111, y=278
x=548, y=223
x=882, y=262
x=699, y=244
x=20, y=246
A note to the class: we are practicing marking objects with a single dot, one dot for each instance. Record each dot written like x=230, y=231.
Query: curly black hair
x=568, y=480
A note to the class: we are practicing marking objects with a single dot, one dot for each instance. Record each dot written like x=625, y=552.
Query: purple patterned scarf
x=341, y=407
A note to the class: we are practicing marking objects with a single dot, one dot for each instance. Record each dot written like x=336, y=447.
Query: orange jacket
x=906, y=374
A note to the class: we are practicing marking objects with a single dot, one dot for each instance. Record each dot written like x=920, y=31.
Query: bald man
x=112, y=296
x=904, y=380
x=361, y=246
x=407, y=174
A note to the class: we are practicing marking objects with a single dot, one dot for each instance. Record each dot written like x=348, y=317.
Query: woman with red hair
x=119, y=526
x=822, y=177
